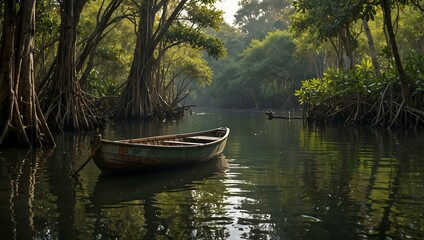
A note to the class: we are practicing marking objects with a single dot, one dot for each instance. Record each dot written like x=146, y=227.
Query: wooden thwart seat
x=180, y=143
x=202, y=139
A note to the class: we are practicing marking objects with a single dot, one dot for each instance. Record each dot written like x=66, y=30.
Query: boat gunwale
x=159, y=137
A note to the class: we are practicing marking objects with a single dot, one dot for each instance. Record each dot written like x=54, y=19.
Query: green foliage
x=359, y=81
x=414, y=69
x=410, y=34
x=313, y=90
x=114, y=54
x=101, y=87
x=192, y=32
x=268, y=60
x=330, y=26
x=47, y=18
x=47, y=22
x=180, y=33
x=204, y=16
x=189, y=64
x=197, y=68
x=257, y=18
x=328, y=17
x=265, y=74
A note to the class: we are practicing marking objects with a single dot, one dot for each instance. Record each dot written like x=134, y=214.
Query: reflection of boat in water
x=145, y=154
x=115, y=189
x=139, y=206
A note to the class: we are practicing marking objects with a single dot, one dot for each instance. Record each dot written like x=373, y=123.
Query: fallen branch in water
x=272, y=116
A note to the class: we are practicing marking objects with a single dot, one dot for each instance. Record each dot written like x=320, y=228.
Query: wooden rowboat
x=151, y=153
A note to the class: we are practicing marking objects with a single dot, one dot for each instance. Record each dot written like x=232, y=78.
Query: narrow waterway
x=278, y=179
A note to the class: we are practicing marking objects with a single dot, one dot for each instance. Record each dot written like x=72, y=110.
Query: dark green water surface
x=278, y=179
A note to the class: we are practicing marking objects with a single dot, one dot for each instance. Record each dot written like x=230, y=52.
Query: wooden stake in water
x=97, y=140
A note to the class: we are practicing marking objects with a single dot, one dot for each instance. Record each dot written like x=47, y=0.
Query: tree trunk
x=135, y=101
x=141, y=98
x=22, y=122
x=385, y=5
x=348, y=46
x=66, y=106
x=371, y=46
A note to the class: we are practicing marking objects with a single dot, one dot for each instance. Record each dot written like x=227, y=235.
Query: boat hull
x=120, y=157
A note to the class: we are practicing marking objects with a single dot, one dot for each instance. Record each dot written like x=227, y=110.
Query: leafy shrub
x=101, y=87
x=414, y=69
x=359, y=96
x=361, y=80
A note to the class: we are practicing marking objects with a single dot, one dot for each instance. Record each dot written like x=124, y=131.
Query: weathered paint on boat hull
x=118, y=157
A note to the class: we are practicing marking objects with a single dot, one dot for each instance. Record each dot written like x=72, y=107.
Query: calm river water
x=278, y=179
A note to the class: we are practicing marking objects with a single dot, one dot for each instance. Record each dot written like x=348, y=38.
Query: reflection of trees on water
x=62, y=186
x=42, y=200
x=344, y=182
x=23, y=174
x=175, y=203
x=198, y=212
x=369, y=185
